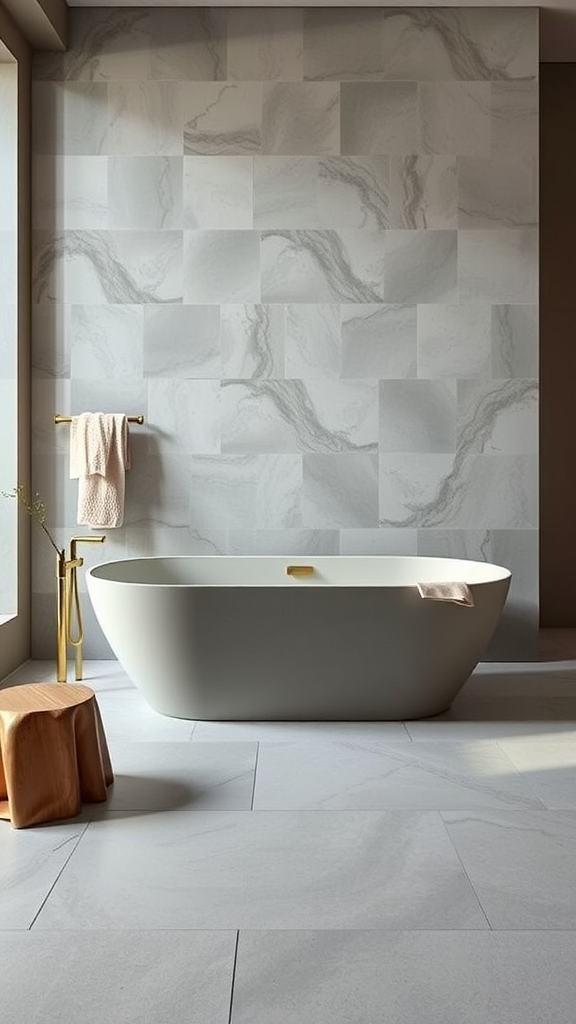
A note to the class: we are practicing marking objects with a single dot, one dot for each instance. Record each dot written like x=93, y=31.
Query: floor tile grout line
x=461, y=862
x=233, y=980
x=58, y=877
x=254, y=782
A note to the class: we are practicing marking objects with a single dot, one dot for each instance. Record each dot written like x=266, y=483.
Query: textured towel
x=459, y=593
x=99, y=456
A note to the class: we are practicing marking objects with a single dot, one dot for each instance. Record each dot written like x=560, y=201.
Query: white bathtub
x=236, y=638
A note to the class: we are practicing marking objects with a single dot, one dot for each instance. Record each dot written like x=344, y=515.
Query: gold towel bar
x=68, y=419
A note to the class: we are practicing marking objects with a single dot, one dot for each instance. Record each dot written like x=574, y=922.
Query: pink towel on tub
x=99, y=457
x=458, y=593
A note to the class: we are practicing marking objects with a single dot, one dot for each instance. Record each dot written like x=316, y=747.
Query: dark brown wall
x=558, y=345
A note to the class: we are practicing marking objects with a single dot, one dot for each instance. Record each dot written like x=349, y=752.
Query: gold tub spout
x=68, y=603
x=299, y=570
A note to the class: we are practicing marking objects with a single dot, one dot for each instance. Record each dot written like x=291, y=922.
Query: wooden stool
x=53, y=752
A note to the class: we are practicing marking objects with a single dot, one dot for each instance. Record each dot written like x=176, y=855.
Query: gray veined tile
x=286, y=192
x=440, y=977
x=145, y=118
x=454, y=341
x=421, y=266
x=70, y=119
x=106, y=342
x=378, y=542
x=221, y=266
x=498, y=416
x=299, y=416
x=354, y=192
x=222, y=118
x=188, y=45
x=107, y=45
x=300, y=118
x=252, y=341
x=70, y=192
x=417, y=416
x=287, y=542
x=217, y=192
x=424, y=192
x=279, y=492
x=194, y=776
x=514, y=341
x=514, y=109
x=313, y=341
x=265, y=869
x=379, y=118
x=371, y=774
x=189, y=412
x=223, y=492
x=379, y=341
x=498, y=266
x=194, y=350
x=145, y=193
x=264, y=45
x=31, y=862
x=322, y=266
x=522, y=865
x=549, y=767
x=133, y=975
x=340, y=491
x=496, y=193
x=455, y=118
x=343, y=44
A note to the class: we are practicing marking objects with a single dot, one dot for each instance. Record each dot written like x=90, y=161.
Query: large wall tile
x=145, y=118
x=70, y=192
x=70, y=118
x=300, y=118
x=455, y=118
x=514, y=341
x=378, y=341
x=343, y=44
x=313, y=341
x=221, y=266
x=222, y=118
x=498, y=266
x=144, y=193
x=194, y=333
x=340, y=490
x=454, y=341
x=496, y=193
x=253, y=341
x=421, y=266
x=188, y=45
x=417, y=416
x=380, y=117
x=424, y=192
x=106, y=342
x=265, y=44
x=218, y=192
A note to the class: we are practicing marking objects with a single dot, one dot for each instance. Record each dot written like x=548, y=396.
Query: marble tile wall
x=304, y=244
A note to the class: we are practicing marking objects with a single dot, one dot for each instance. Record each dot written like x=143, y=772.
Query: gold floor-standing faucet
x=68, y=603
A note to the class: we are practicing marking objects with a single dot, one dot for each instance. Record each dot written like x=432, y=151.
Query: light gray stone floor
x=309, y=873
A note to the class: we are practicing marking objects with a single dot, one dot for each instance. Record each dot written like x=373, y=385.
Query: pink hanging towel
x=99, y=457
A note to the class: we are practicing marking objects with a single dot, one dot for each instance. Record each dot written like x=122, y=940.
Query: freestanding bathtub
x=238, y=638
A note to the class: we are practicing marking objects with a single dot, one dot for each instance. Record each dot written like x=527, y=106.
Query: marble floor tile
x=127, y=718
x=375, y=775
x=522, y=865
x=499, y=718
x=298, y=732
x=263, y=869
x=30, y=863
x=127, y=977
x=549, y=767
x=161, y=776
x=404, y=977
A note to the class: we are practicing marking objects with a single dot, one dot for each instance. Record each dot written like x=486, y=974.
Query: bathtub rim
x=98, y=572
